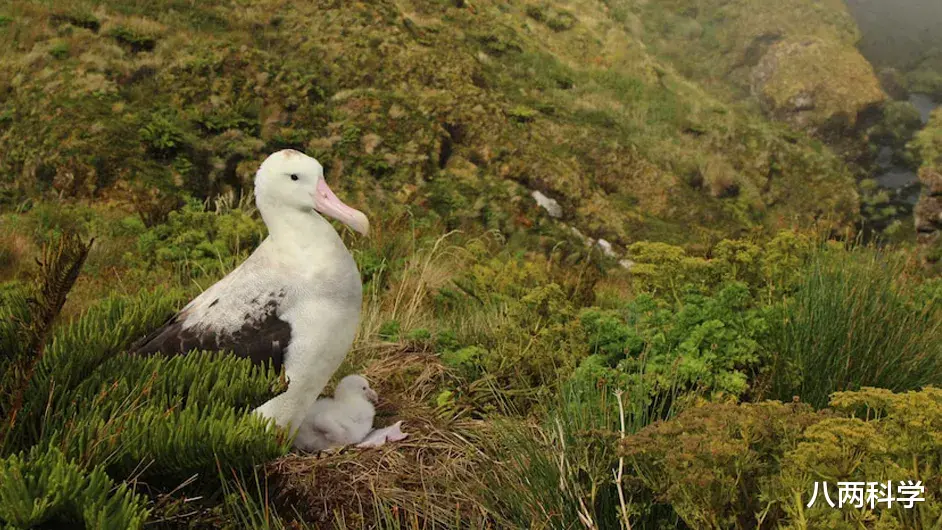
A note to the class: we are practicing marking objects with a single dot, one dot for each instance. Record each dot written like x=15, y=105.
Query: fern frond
x=58, y=270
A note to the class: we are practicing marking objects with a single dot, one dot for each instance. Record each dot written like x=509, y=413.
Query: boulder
x=815, y=84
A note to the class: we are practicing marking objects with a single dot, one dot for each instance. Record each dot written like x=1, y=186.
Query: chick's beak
x=328, y=204
x=372, y=395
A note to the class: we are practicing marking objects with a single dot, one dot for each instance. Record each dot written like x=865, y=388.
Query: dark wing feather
x=262, y=340
x=226, y=318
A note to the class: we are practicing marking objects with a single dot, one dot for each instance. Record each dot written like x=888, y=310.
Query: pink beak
x=328, y=204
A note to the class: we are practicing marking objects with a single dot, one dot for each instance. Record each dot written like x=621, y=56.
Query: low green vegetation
x=721, y=465
x=558, y=98
x=924, y=74
x=734, y=346
x=517, y=371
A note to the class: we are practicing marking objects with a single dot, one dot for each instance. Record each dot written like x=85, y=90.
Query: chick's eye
x=294, y=177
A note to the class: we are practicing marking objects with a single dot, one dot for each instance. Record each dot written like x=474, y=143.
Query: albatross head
x=291, y=179
x=355, y=386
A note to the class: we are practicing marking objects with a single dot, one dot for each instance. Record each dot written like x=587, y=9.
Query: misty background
x=898, y=32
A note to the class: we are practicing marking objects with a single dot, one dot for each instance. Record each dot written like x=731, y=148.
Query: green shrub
x=771, y=268
x=133, y=38
x=522, y=114
x=389, y=330
x=523, y=324
x=43, y=487
x=81, y=422
x=555, y=19
x=714, y=463
x=754, y=465
x=711, y=344
x=663, y=268
x=925, y=81
x=60, y=50
x=900, y=121
x=164, y=134
x=195, y=241
x=419, y=335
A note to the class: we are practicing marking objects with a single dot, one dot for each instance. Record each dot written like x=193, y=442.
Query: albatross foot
x=379, y=437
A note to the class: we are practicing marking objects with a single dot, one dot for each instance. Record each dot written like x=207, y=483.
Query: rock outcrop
x=798, y=58
x=815, y=84
x=928, y=211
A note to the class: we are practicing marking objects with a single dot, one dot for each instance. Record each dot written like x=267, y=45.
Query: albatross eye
x=294, y=177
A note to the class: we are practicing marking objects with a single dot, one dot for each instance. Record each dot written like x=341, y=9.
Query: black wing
x=227, y=316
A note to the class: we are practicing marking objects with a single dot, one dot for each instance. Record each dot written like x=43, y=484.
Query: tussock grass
x=853, y=323
x=561, y=470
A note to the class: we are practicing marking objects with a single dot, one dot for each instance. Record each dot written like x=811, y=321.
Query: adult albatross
x=295, y=302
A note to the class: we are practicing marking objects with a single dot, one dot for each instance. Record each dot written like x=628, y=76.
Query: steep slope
x=460, y=108
x=797, y=58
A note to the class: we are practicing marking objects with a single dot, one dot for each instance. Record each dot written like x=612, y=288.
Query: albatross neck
x=297, y=229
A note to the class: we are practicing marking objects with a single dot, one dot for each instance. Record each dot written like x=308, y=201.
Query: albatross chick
x=344, y=419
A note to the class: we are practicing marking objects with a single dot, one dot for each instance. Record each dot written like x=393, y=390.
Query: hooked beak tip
x=328, y=204
x=362, y=226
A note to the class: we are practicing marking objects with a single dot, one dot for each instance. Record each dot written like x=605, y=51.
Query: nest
x=422, y=478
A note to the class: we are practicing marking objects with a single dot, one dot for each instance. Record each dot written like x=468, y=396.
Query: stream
x=902, y=35
x=902, y=181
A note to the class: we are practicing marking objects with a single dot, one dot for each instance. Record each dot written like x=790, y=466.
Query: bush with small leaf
x=755, y=465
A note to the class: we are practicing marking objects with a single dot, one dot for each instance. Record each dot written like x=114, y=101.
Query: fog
x=898, y=32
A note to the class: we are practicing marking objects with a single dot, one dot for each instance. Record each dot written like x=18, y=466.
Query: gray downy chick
x=343, y=419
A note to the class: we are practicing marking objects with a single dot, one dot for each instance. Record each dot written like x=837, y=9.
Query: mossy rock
x=928, y=214
x=928, y=143
x=816, y=84
x=928, y=211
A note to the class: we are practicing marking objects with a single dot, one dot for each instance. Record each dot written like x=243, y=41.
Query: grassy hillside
x=423, y=104
x=546, y=382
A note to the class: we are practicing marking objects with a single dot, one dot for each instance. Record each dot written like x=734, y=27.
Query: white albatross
x=295, y=302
